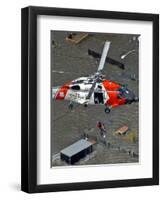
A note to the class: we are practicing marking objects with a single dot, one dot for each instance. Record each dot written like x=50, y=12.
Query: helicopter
x=95, y=89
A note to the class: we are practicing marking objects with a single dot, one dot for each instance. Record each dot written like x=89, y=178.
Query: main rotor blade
x=104, y=54
x=91, y=90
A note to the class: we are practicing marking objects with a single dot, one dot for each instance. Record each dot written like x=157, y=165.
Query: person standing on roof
x=102, y=128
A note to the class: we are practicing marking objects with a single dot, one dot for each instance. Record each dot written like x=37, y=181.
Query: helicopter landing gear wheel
x=71, y=106
x=85, y=105
x=107, y=110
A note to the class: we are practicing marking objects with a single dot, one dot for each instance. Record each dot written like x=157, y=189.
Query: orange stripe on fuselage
x=111, y=89
x=62, y=91
x=110, y=85
x=114, y=100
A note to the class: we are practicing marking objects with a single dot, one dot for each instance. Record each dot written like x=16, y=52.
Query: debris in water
x=121, y=131
x=76, y=37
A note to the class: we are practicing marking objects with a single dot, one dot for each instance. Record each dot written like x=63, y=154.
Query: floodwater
x=68, y=126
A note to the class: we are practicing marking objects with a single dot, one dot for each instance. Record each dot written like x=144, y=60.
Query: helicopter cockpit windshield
x=125, y=93
x=122, y=91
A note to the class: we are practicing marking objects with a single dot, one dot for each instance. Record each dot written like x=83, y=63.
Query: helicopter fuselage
x=106, y=92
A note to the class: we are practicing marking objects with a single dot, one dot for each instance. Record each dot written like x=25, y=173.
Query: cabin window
x=78, y=81
x=90, y=80
x=75, y=87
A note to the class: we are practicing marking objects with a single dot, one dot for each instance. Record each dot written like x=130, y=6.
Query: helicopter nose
x=130, y=97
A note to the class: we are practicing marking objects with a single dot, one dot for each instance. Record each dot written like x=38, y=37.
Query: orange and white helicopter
x=95, y=89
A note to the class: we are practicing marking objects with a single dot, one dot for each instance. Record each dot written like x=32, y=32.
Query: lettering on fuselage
x=75, y=96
